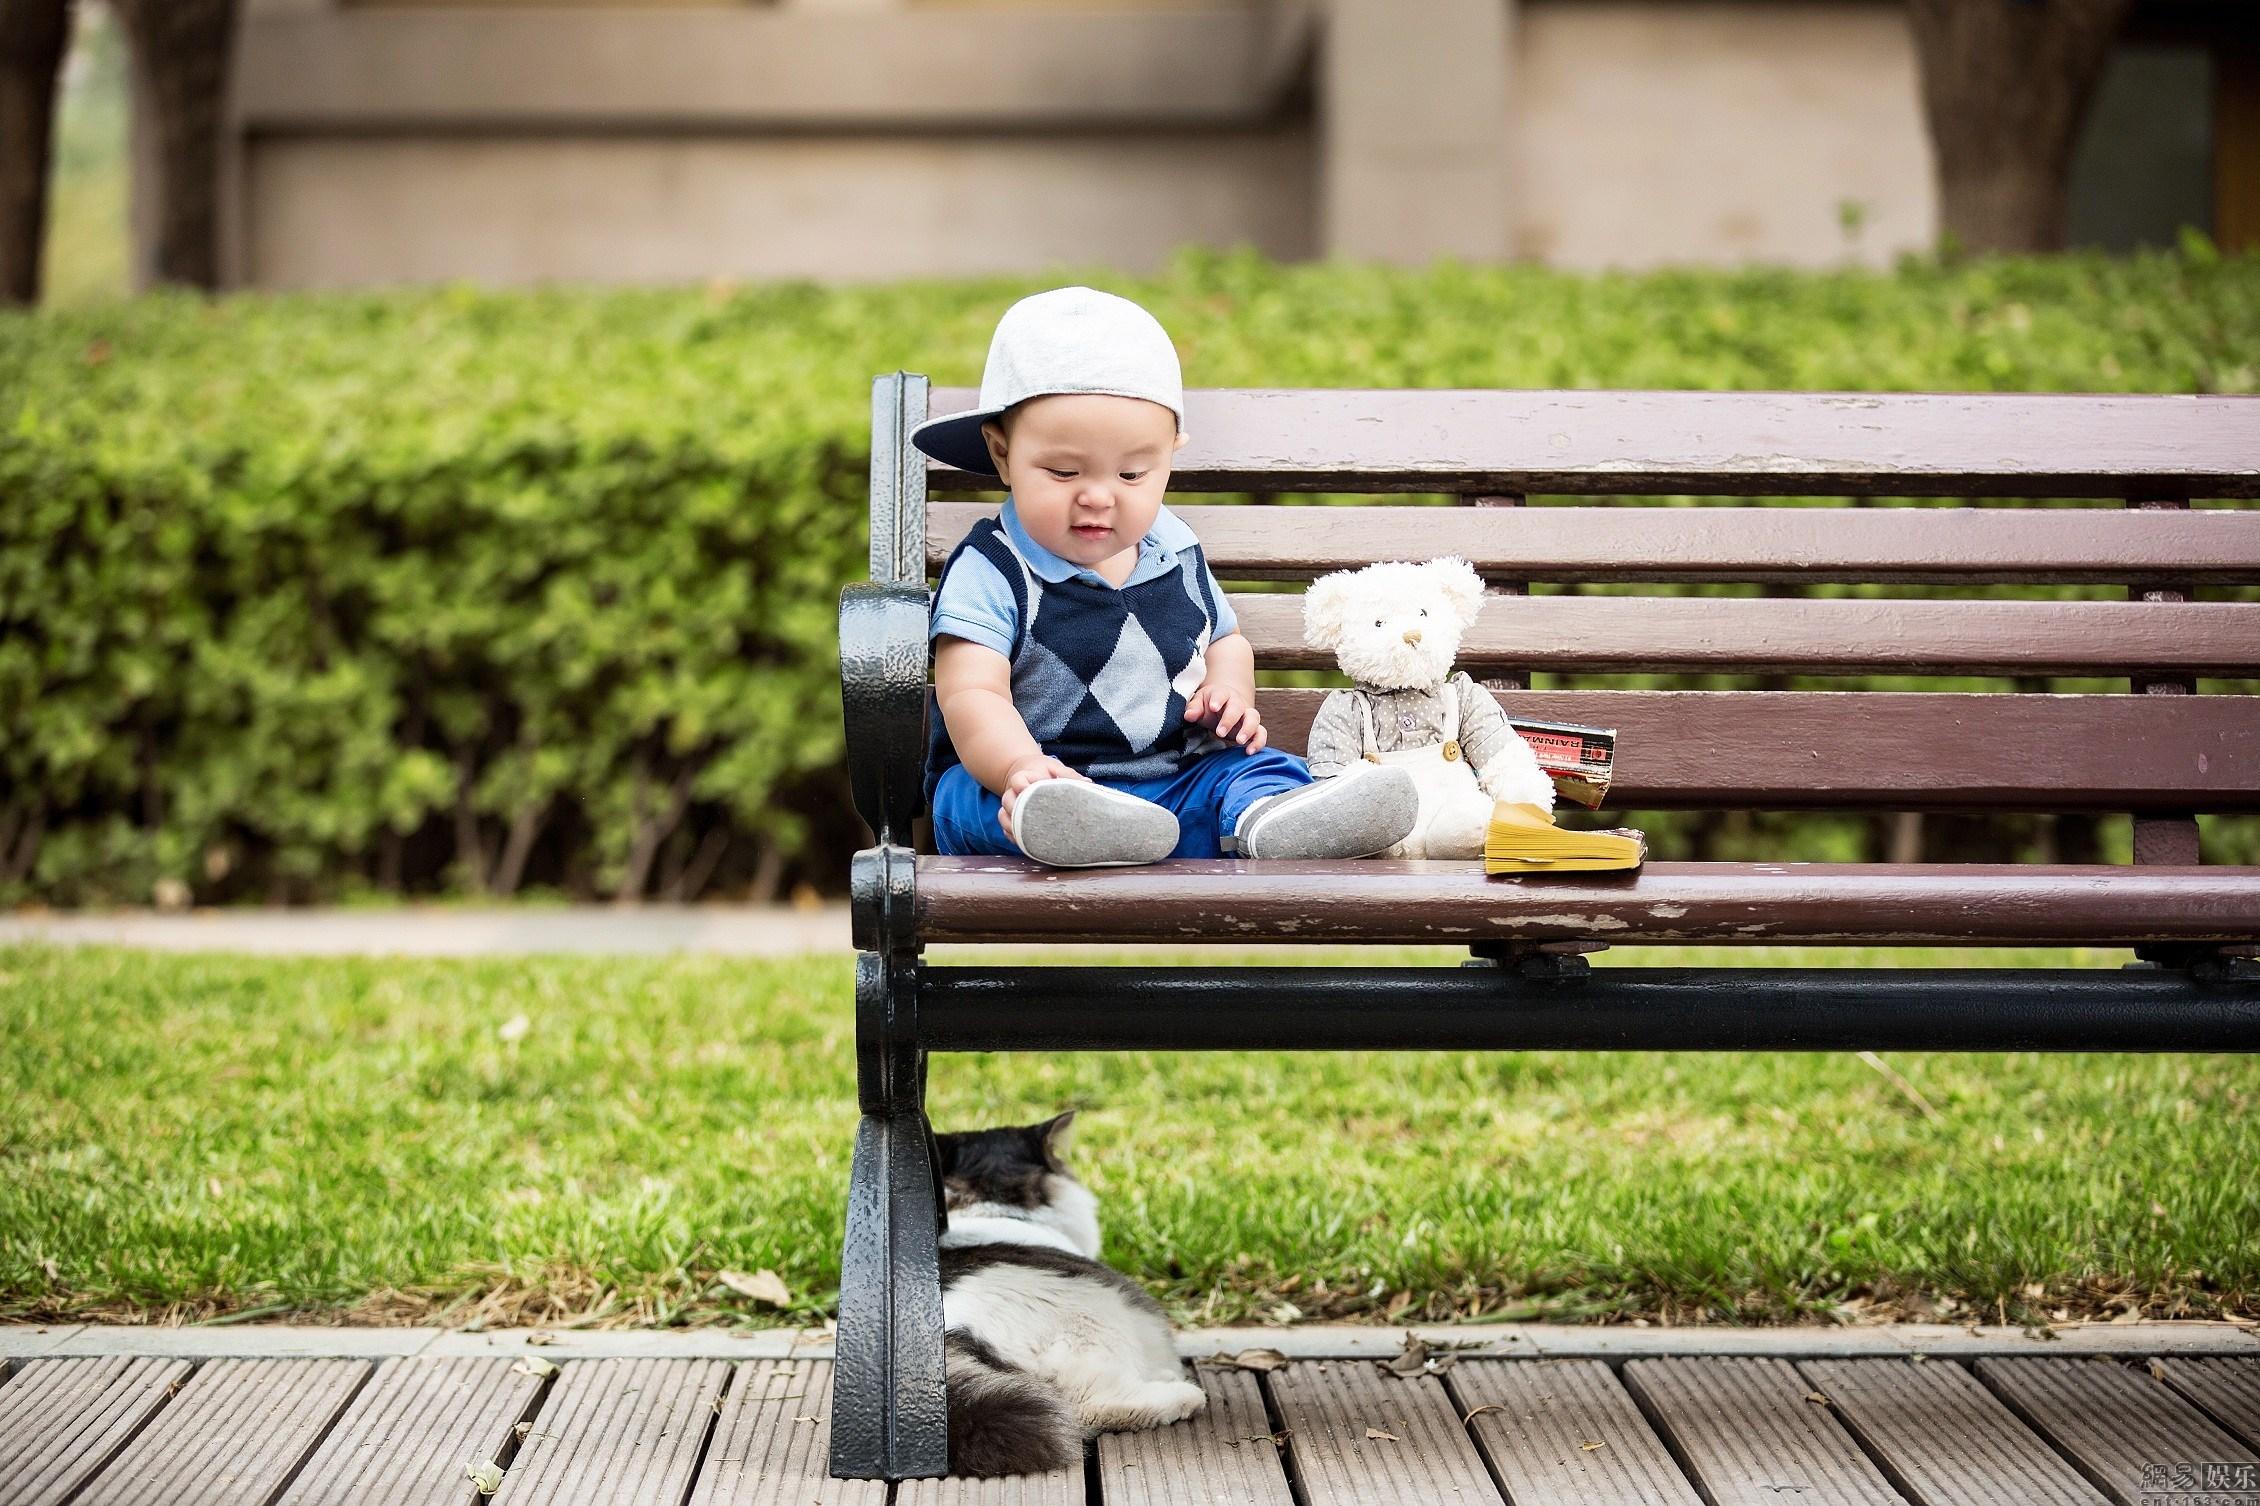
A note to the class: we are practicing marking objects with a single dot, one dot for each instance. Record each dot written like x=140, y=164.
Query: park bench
x=2156, y=749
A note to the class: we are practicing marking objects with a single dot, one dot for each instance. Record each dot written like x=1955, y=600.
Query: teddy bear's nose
x=1412, y=636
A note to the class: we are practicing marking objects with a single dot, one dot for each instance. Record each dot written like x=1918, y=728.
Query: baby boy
x=1096, y=698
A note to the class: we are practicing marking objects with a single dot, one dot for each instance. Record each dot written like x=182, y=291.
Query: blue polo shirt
x=1100, y=672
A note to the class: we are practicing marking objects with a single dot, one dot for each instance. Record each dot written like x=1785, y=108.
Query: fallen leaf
x=1249, y=1359
x=1589, y=1447
x=761, y=1286
x=522, y=1429
x=1816, y=1398
x=808, y=1419
x=537, y=1340
x=487, y=1477
x=515, y=1028
x=2157, y=1369
x=1415, y=1359
x=1916, y=1359
x=534, y=1365
x=1489, y=1406
x=47, y=1264
x=1384, y=1437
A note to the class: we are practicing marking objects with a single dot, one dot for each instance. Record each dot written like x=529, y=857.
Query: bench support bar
x=1609, y=1008
x=890, y=1415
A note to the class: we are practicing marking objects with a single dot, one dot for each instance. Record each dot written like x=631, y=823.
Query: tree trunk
x=470, y=847
x=651, y=830
x=684, y=887
x=33, y=36
x=2006, y=84
x=181, y=51
x=19, y=852
x=525, y=829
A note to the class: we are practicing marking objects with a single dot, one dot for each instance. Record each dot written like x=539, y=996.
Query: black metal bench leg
x=889, y=1411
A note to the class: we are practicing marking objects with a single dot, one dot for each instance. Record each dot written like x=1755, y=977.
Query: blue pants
x=1206, y=795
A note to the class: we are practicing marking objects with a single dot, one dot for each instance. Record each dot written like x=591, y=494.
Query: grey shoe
x=1363, y=810
x=1073, y=823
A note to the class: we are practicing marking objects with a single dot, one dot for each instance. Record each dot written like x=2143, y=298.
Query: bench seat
x=967, y=899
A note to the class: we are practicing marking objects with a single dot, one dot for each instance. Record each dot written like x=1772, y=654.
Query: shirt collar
x=1156, y=551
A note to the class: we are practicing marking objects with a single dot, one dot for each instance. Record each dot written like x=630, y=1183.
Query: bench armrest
x=883, y=702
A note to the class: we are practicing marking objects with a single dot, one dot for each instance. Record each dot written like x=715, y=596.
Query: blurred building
x=511, y=141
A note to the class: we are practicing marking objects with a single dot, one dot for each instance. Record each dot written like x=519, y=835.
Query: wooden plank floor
x=1656, y=1429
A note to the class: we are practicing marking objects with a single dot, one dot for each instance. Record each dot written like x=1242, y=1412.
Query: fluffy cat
x=1045, y=1344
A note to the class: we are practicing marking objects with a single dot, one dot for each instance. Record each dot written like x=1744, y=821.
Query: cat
x=1045, y=1344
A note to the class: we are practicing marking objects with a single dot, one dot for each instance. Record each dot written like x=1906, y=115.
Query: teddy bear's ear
x=1461, y=586
x=1322, y=610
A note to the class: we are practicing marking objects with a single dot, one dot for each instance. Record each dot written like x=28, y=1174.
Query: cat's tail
x=1004, y=1421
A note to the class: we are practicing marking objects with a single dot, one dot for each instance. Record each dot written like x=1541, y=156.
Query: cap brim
x=955, y=440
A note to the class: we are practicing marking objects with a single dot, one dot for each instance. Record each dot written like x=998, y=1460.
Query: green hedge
x=307, y=596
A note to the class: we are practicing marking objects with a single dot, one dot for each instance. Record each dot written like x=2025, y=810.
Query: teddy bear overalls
x=1453, y=808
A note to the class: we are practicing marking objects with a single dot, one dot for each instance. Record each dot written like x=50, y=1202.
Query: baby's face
x=1087, y=470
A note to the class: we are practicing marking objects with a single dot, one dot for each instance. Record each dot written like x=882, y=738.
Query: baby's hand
x=1227, y=707
x=1030, y=770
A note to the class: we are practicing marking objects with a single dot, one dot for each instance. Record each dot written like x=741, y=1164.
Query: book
x=1524, y=839
x=1579, y=759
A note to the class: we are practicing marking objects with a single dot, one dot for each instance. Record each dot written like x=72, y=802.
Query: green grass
x=190, y=1136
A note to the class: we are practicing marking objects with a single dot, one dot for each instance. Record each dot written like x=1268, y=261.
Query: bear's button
x=1451, y=752
x=1373, y=758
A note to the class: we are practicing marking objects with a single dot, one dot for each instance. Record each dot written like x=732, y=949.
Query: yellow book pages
x=1524, y=839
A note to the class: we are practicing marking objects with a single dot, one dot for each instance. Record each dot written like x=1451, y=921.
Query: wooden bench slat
x=1902, y=545
x=1718, y=443
x=1370, y=901
x=1948, y=1438
x=1792, y=750
x=1565, y=1433
x=1749, y=1436
x=1681, y=634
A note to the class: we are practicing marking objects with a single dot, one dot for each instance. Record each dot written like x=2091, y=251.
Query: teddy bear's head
x=1396, y=626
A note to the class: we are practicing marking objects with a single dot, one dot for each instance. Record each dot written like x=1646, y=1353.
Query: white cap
x=1067, y=340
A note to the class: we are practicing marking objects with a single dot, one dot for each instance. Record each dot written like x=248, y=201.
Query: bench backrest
x=2155, y=748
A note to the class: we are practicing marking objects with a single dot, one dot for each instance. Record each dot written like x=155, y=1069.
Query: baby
x=1096, y=698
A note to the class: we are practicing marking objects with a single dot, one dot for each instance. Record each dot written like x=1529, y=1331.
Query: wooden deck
x=1731, y=1430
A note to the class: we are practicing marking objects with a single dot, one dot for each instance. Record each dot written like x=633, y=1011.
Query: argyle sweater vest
x=1100, y=674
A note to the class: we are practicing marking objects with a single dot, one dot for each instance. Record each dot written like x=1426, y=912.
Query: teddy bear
x=1395, y=628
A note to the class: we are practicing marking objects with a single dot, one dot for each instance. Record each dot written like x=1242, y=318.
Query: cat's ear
x=1052, y=1136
